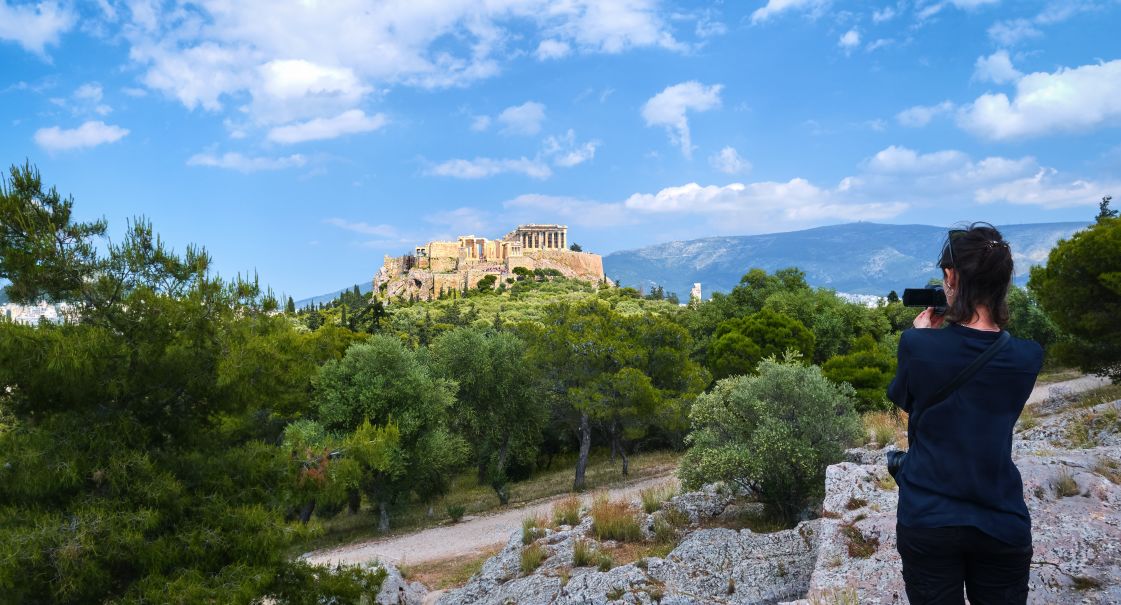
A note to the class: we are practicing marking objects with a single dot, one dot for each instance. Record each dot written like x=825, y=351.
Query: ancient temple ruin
x=442, y=266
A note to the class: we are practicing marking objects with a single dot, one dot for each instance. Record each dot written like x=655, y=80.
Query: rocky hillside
x=1069, y=456
x=858, y=258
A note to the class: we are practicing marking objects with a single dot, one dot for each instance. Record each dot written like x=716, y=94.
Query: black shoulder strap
x=969, y=370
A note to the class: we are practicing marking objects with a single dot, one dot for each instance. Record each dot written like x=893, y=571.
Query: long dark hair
x=983, y=263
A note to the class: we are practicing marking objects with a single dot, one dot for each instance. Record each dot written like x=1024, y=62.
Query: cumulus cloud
x=996, y=68
x=349, y=122
x=921, y=115
x=35, y=26
x=524, y=119
x=728, y=161
x=775, y=7
x=849, y=40
x=552, y=49
x=533, y=207
x=567, y=152
x=669, y=107
x=1068, y=100
x=246, y=164
x=479, y=168
x=89, y=134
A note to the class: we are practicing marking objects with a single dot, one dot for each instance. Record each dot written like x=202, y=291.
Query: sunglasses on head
x=950, y=237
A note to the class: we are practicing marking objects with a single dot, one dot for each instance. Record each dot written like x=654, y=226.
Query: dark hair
x=983, y=263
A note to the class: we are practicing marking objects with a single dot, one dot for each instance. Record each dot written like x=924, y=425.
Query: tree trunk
x=585, y=448
x=383, y=517
x=354, y=501
x=306, y=510
x=623, y=453
x=614, y=444
x=482, y=471
x=499, y=480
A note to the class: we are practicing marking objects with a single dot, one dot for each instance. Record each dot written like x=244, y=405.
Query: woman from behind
x=962, y=521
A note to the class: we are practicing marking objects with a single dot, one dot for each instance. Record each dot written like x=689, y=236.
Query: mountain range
x=855, y=258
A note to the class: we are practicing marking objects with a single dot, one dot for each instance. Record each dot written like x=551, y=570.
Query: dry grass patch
x=614, y=520
x=1053, y=375
x=836, y=596
x=860, y=545
x=1065, y=485
x=532, y=558
x=1028, y=420
x=449, y=573
x=533, y=528
x=567, y=511
x=1086, y=430
x=653, y=497
x=1109, y=468
x=884, y=428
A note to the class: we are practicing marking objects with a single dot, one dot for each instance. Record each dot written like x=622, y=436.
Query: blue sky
x=304, y=140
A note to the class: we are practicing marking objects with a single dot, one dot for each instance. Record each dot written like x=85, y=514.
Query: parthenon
x=439, y=266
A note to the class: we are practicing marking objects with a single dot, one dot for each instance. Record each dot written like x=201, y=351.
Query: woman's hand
x=927, y=319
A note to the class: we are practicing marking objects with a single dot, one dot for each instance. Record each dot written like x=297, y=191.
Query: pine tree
x=290, y=308
x=1103, y=209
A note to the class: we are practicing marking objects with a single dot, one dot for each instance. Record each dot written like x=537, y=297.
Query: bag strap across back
x=965, y=374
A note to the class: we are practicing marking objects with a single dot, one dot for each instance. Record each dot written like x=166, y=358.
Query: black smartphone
x=931, y=296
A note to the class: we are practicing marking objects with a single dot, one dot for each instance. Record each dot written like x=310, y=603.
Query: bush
x=532, y=557
x=869, y=368
x=740, y=343
x=773, y=434
x=455, y=511
x=567, y=511
x=613, y=520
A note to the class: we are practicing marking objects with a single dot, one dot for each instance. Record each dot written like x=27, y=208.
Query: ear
x=950, y=278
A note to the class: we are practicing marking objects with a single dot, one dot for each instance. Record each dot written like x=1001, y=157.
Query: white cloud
x=1045, y=188
x=533, y=207
x=849, y=40
x=480, y=123
x=246, y=164
x=900, y=160
x=566, y=152
x=728, y=161
x=349, y=122
x=886, y=13
x=89, y=134
x=669, y=107
x=878, y=44
x=362, y=227
x=522, y=119
x=1012, y=32
x=1068, y=100
x=996, y=68
x=921, y=115
x=552, y=49
x=90, y=91
x=479, y=168
x=774, y=7
x=34, y=27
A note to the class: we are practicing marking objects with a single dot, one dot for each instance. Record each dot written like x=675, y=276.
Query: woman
x=962, y=519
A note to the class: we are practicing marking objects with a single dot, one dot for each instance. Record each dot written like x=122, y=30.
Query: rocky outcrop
x=1070, y=462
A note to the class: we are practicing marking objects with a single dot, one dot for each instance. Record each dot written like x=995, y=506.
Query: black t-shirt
x=959, y=468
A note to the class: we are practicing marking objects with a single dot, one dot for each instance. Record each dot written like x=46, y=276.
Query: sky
x=304, y=140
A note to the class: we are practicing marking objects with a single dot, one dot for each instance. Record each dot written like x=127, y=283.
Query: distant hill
x=364, y=286
x=857, y=258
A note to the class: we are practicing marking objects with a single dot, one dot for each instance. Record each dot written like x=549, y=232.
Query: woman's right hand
x=927, y=319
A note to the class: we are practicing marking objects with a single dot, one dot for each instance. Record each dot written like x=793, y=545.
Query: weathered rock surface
x=850, y=551
x=396, y=591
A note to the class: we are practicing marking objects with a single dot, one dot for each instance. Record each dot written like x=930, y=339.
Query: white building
x=31, y=314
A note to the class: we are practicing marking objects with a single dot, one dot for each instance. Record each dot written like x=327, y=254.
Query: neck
x=982, y=320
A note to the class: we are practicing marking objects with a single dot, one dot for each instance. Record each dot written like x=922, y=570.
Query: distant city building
x=695, y=293
x=31, y=314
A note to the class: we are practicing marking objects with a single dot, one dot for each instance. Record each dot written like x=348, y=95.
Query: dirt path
x=465, y=538
x=477, y=533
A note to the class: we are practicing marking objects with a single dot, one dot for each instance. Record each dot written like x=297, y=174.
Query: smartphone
x=931, y=296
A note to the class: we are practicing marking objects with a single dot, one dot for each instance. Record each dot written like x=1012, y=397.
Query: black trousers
x=937, y=562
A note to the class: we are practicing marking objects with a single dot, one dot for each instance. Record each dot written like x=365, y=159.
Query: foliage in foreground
x=773, y=433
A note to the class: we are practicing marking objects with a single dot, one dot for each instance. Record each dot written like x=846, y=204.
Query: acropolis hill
x=441, y=267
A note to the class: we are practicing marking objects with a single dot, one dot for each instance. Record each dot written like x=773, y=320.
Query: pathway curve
x=475, y=534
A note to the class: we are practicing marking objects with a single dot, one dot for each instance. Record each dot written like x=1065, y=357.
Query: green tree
x=1027, y=320
x=773, y=434
x=290, y=307
x=498, y=409
x=382, y=381
x=892, y=297
x=1104, y=212
x=868, y=368
x=124, y=474
x=576, y=248
x=740, y=344
x=1080, y=290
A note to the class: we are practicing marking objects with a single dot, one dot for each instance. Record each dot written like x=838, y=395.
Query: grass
x=448, y=573
x=455, y=512
x=408, y=517
x=837, y=596
x=1099, y=395
x=532, y=558
x=1065, y=485
x=567, y=511
x=1086, y=429
x=884, y=428
x=855, y=503
x=1028, y=419
x=1110, y=469
x=614, y=520
x=532, y=529
x=860, y=545
x=1053, y=375
x=583, y=553
x=653, y=497
x=887, y=483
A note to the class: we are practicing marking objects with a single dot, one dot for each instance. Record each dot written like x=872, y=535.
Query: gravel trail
x=474, y=534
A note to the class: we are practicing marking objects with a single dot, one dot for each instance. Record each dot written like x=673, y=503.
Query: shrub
x=532, y=557
x=739, y=344
x=868, y=367
x=567, y=511
x=773, y=433
x=455, y=511
x=652, y=498
x=612, y=520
